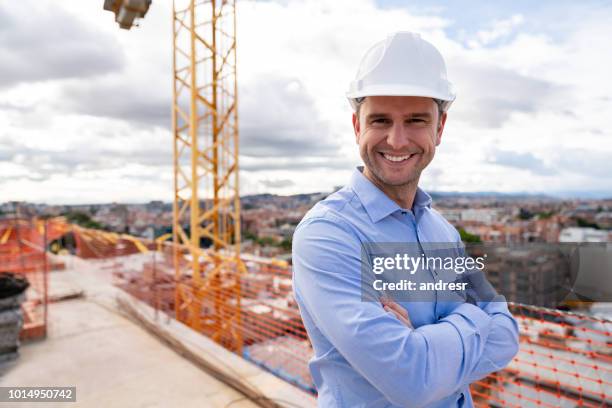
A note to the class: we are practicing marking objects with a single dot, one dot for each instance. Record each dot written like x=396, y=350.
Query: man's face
x=397, y=137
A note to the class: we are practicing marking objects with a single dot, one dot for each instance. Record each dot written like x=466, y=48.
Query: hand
x=397, y=310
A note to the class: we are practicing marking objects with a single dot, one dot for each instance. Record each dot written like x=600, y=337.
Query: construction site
x=189, y=318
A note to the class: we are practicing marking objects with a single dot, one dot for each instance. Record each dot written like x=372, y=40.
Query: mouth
x=397, y=158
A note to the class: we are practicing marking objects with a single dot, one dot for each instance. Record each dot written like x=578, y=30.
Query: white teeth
x=396, y=158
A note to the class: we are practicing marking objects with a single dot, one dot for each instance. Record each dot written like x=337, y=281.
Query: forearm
x=502, y=343
x=411, y=367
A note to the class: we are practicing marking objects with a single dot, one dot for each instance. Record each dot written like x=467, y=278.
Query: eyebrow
x=425, y=115
x=421, y=115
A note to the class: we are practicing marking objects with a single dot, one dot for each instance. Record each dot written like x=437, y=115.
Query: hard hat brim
x=402, y=90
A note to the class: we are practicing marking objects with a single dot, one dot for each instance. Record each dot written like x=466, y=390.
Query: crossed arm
x=409, y=366
x=501, y=345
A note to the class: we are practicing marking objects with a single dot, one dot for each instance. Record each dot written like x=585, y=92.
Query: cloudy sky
x=85, y=106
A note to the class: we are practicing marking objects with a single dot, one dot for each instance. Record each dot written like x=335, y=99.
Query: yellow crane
x=206, y=189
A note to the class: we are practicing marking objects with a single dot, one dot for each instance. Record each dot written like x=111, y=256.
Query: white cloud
x=43, y=42
x=498, y=30
x=94, y=130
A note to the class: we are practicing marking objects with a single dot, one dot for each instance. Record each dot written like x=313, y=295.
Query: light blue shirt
x=364, y=356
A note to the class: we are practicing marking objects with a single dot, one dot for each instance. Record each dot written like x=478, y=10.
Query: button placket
x=433, y=273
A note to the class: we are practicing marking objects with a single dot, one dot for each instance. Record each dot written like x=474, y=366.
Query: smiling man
x=372, y=352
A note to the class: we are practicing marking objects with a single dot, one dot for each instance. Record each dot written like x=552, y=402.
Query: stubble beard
x=378, y=178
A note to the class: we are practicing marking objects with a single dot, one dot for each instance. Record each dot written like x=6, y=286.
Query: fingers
x=399, y=312
x=393, y=305
x=401, y=318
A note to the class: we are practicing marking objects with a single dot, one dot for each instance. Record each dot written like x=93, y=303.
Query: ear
x=440, y=129
x=356, y=127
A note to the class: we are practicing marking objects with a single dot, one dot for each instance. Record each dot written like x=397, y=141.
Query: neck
x=403, y=194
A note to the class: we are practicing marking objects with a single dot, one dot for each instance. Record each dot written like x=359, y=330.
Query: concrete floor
x=111, y=361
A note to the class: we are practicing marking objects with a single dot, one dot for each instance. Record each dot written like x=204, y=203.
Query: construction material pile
x=12, y=294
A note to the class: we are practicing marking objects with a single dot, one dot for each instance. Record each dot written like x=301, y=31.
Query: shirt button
x=461, y=400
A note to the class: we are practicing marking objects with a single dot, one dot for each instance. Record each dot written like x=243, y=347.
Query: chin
x=400, y=182
x=396, y=180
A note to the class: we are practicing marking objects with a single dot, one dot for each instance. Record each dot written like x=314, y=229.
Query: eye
x=417, y=120
x=380, y=121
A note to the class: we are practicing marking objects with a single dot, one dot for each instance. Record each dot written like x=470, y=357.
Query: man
x=391, y=354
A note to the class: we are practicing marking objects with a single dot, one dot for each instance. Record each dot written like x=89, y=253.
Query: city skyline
x=560, y=196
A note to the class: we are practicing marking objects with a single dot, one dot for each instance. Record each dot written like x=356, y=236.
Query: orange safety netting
x=23, y=251
x=565, y=358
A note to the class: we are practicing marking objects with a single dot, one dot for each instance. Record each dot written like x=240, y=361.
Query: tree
x=468, y=237
x=83, y=219
x=286, y=244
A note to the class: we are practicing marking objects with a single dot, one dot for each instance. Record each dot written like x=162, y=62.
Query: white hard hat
x=402, y=65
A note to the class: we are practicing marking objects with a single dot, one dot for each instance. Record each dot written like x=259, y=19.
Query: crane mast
x=206, y=183
x=206, y=253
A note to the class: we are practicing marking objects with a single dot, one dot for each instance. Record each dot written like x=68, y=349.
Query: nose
x=398, y=137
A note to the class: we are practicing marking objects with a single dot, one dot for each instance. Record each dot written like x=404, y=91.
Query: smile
x=397, y=159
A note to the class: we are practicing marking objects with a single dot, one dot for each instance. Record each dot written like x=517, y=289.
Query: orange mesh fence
x=254, y=309
x=565, y=358
x=22, y=251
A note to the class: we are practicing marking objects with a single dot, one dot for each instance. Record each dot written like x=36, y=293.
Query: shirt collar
x=376, y=203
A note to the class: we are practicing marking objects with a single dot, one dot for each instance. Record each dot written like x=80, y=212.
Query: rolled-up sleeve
x=408, y=366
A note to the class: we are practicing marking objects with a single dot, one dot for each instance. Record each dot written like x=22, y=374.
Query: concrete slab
x=258, y=381
x=111, y=361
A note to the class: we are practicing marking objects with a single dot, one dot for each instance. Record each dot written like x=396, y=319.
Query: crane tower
x=205, y=127
x=206, y=190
